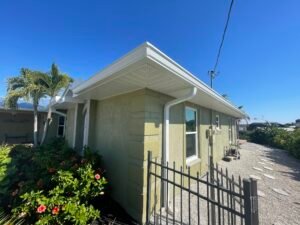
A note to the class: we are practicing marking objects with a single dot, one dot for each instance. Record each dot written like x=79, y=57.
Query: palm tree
x=27, y=86
x=53, y=83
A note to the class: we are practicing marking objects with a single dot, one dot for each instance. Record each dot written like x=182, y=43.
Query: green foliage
x=244, y=135
x=68, y=201
x=278, y=138
x=27, y=85
x=54, y=81
x=53, y=175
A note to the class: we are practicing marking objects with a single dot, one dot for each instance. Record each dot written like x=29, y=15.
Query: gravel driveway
x=279, y=183
x=278, y=176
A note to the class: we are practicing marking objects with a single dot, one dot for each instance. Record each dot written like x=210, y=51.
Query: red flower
x=41, y=209
x=55, y=210
x=97, y=176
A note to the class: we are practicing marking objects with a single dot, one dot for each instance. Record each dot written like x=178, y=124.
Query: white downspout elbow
x=166, y=149
x=59, y=113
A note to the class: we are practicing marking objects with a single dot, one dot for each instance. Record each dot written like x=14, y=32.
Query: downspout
x=59, y=113
x=166, y=147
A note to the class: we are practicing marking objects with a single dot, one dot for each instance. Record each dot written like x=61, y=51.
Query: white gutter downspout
x=166, y=149
x=59, y=113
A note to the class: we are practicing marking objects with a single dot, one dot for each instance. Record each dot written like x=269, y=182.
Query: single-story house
x=16, y=125
x=143, y=102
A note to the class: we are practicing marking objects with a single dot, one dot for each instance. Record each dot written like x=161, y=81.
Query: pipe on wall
x=166, y=135
x=59, y=113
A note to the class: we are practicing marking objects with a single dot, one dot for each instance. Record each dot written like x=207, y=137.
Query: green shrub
x=50, y=172
x=244, y=135
x=68, y=201
x=278, y=138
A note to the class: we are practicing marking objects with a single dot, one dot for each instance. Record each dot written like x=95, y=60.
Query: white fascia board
x=147, y=50
x=159, y=57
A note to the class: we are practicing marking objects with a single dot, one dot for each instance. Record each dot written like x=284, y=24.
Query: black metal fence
x=215, y=198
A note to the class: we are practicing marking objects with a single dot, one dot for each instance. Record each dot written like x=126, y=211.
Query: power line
x=223, y=36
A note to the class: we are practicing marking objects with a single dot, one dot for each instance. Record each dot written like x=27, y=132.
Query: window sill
x=192, y=161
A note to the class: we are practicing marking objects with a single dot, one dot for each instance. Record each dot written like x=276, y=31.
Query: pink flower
x=97, y=176
x=55, y=210
x=41, y=209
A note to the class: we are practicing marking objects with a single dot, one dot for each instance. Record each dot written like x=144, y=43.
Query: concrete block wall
x=124, y=128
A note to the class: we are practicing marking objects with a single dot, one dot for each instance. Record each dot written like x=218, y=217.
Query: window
x=61, y=126
x=217, y=122
x=191, y=133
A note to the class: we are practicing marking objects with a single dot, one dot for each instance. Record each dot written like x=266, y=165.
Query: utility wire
x=223, y=36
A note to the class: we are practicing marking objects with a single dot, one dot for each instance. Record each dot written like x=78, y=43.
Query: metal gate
x=215, y=198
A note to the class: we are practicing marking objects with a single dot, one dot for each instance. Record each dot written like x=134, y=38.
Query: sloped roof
x=148, y=67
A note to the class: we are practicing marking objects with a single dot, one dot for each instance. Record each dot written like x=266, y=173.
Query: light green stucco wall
x=123, y=128
x=118, y=135
x=69, y=133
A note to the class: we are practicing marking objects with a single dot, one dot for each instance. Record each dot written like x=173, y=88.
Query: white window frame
x=64, y=126
x=196, y=156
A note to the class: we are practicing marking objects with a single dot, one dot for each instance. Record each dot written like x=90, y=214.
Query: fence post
x=148, y=187
x=250, y=201
x=212, y=190
x=254, y=201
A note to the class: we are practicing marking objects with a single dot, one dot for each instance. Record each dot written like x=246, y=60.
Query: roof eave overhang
x=147, y=51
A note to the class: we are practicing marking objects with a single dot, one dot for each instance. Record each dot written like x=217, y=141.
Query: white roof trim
x=147, y=50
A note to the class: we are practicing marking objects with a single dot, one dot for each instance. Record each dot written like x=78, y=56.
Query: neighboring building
x=297, y=123
x=261, y=125
x=16, y=126
x=147, y=102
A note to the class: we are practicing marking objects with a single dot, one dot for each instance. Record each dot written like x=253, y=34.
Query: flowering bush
x=68, y=201
x=51, y=184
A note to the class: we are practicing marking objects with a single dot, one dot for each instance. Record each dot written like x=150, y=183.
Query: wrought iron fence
x=215, y=198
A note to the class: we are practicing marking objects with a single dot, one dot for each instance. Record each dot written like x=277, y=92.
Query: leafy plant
x=278, y=138
x=28, y=86
x=53, y=82
x=68, y=201
x=53, y=175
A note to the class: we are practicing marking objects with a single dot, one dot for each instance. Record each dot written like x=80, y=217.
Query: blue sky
x=259, y=66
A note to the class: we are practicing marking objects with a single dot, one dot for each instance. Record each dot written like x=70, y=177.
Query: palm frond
x=58, y=80
x=12, y=97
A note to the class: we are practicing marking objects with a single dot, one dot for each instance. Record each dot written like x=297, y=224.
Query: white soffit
x=148, y=67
